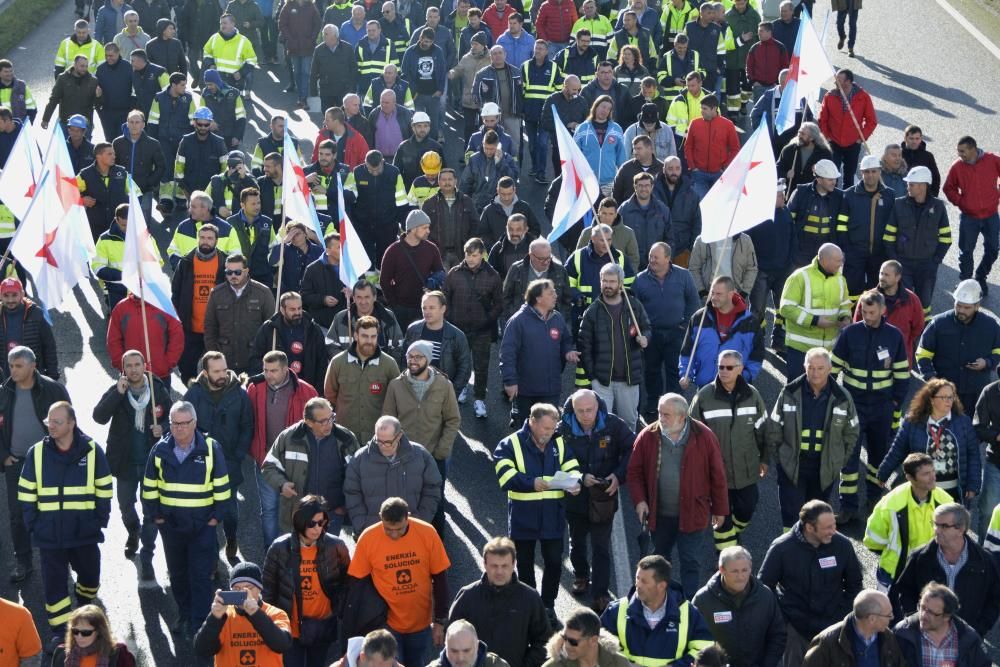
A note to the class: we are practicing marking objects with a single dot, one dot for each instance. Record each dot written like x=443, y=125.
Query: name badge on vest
x=883, y=356
x=828, y=562
x=722, y=616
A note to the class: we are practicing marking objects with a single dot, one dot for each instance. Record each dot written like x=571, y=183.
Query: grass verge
x=20, y=18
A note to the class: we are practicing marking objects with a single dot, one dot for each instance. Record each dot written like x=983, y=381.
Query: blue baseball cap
x=77, y=120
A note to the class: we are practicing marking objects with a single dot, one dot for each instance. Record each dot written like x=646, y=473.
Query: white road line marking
x=619, y=547
x=971, y=29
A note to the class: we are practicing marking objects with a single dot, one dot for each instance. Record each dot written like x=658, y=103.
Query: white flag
x=21, y=173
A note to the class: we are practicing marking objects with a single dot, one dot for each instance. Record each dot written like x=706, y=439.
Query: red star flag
x=141, y=266
x=743, y=197
x=22, y=171
x=296, y=198
x=579, y=188
x=53, y=242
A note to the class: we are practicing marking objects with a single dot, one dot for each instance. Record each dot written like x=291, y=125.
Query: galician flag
x=53, y=242
x=22, y=171
x=808, y=71
x=296, y=198
x=354, y=261
x=141, y=267
x=743, y=197
x=579, y=188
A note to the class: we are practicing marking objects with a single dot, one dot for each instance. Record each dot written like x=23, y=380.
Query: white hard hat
x=968, y=292
x=420, y=117
x=870, y=162
x=826, y=169
x=919, y=175
x=490, y=109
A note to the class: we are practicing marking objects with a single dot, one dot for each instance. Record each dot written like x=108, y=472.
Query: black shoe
x=984, y=285
x=554, y=621
x=21, y=572
x=180, y=627
x=132, y=543
x=232, y=546
x=844, y=517
x=850, y=53
x=840, y=43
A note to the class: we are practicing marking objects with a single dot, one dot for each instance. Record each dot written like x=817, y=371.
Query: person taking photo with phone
x=242, y=629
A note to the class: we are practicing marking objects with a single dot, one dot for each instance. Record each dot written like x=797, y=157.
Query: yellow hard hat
x=430, y=163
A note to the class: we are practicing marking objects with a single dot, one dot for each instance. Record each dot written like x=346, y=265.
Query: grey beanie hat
x=416, y=218
x=424, y=347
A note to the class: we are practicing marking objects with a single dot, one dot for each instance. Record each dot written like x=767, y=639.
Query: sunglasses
x=77, y=632
x=234, y=272
x=318, y=524
x=727, y=367
x=572, y=642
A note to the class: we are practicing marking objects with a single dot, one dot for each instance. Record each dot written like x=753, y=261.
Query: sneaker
x=480, y=409
x=464, y=396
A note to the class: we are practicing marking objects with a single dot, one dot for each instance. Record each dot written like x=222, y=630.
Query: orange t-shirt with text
x=315, y=603
x=401, y=571
x=18, y=637
x=205, y=272
x=241, y=645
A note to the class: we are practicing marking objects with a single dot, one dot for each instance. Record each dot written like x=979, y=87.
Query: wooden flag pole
x=145, y=333
x=281, y=266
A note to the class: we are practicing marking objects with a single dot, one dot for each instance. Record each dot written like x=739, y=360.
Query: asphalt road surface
x=910, y=74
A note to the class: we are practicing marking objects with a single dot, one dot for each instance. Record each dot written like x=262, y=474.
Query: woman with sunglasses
x=937, y=425
x=308, y=554
x=89, y=642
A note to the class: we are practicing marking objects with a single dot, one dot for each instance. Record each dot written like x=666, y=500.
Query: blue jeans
x=301, y=66
x=690, y=549
x=268, y=508
x=128, y=488
x=702, y=181
x=969, y=229
x=191, y=559
x=412, y=647
x=432, y=106
x=989, y=498
x=538, y=145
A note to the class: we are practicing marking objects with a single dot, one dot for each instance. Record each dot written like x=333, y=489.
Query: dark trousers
x=85, y=561
x=191, y=559
x=471, y=122
x=127, y=488
x=792, y=496
x=969, y=230
x=660, y=365
x=842, y=17
x=742, y=503
x=876, y=436
x=521, y=406
x=795, y=362
x=538, y=146
x=112, y=121
x=406, y=315
x=551, y=566
x=921, y=277
x=269, y=38
x=580, y=526
x=480, y=344
x=194, y=347
x=19, y=534
x=861, y=271
x=690, y=549
x=769, y=283
x=439, y=521
x=846, y=158
x=412, y=647
x=307, y=656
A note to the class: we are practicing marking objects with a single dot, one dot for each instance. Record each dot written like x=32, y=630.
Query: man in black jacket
x=937, y=622
x=572, y=109
x=196, y=274
x=520, y=639
x=334, y=70
x=22, y=322
x=26, y=384
x=294, y=332
x=323, y=293
x=142, y=157
x=974, y=578
x=119, y=404
x=493, y=222
x=102, y=188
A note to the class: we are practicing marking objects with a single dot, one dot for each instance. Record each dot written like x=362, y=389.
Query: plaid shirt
x=945, y=655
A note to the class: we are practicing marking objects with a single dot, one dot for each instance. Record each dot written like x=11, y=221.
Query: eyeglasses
x=943, y=398
x=543, y=260
x=386, y=443
x=318, y=524
x=187, y=423
x=727, y=367
x=945, y=526
x=328, y=420
x=79, y=632
x=234, y=272
x=925, y=610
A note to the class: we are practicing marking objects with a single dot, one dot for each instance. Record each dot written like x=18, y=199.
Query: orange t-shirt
x=18, y=637
x=241, y=645
x=315, y=603
x=401, y=571
x=205, y=271
x=88, y=661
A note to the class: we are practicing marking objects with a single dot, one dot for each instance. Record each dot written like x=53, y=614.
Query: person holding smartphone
x=241, y=623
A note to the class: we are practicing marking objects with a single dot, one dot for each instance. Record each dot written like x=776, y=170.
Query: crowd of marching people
x=345, y=382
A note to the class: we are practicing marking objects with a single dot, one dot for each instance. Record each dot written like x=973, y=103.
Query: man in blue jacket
x=656, y=625
x=226, y=415
x=535, y=348
x=68, y=466
x=525, y=462
x=425, y=67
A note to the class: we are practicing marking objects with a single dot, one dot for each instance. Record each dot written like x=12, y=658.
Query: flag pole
x=854, y=119
x=281, y=266
x=149, y=359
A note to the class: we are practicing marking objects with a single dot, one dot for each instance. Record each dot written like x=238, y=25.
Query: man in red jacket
x=903, y=308
x=971, y=185
x=845, y=133
x=125, y=332
x=765, y=60
x=710, y=146
x=495, y=16
x=555, y=22
x=669, y=489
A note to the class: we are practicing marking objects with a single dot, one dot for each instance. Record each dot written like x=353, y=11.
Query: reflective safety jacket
x=739, y=420
x=673, y=20
x=229, y=54
x=898, y=525
x=810, y=293
x=69, y=49
x=947, y=346
x=199, y=160
x=675, y=67
x=676, y=640
x=814, y=216
x=65, y=497
x=531, y=514
x=918, y=232
x=371, y=63
x=107, y=263
x=992, y=543
x=170, y=118
x=685, y=108
x=583, y=268
x=269, y=144
x=185, y=239
x=874, y=363
x=709, y=41
x=188, y=494
x=600, y=28
x=862, y=220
